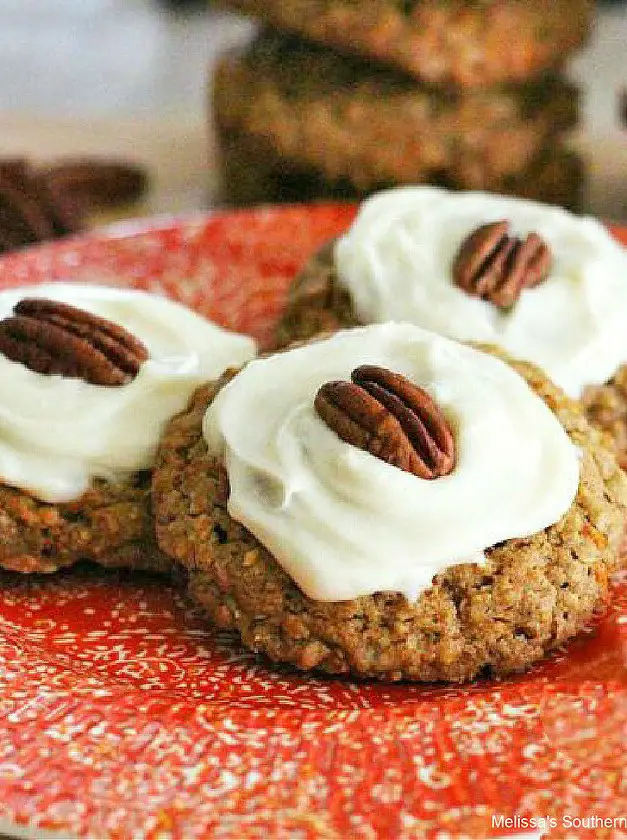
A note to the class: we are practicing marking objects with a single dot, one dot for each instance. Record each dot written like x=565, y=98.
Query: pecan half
x=98, y=182
x=390, y=417
x=495, y=266
x=51, y=337
x=31, y=209
x=38, y=203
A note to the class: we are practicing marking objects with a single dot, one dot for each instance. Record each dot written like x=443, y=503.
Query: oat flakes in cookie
x=447, y=43
x=90, y=376
x=400, y=260
x=286, y=110
x=403, y=507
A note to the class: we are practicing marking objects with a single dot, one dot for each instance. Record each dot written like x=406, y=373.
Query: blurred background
x=131, y=78
x=99, y=58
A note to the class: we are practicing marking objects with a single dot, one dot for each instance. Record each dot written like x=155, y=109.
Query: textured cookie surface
x=606, y=406
x=109, y=524
x=253, y=173
x=299, y=108
x=531, y=596
x=441, y=42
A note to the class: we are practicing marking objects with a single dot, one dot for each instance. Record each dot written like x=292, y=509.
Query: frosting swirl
x=396, y=263
x=59, y=433
x=343, y=523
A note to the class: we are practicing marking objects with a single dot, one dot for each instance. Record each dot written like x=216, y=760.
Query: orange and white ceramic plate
x=124, y=715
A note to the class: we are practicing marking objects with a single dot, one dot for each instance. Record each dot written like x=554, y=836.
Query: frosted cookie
x=459, y=44
x=398, y=261
x=90, y=375
x=402, y=507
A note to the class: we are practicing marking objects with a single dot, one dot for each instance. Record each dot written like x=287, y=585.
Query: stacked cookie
x=342, y=98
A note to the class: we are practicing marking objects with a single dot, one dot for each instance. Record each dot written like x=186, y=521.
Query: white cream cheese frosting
x=396, y=263
x=344, y=523
x=59, y=433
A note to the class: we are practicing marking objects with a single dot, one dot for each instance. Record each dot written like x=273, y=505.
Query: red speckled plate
x=122, y=714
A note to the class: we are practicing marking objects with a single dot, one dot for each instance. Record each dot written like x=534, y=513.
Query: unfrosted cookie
x=253, y=173
x=446, y=43
x=286, y=109
x=297, y=591
x=89, y=377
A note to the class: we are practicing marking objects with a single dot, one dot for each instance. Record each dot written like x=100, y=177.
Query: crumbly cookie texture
x=109, y=524
x=252, y=171
x=438, y=41
x=531, y=595
x=317, y=303
x=606, y=406
x=367, y=126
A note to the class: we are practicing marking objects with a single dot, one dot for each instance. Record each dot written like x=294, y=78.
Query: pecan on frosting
x=495, y=266
x=51, y=337
x=390, y=417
